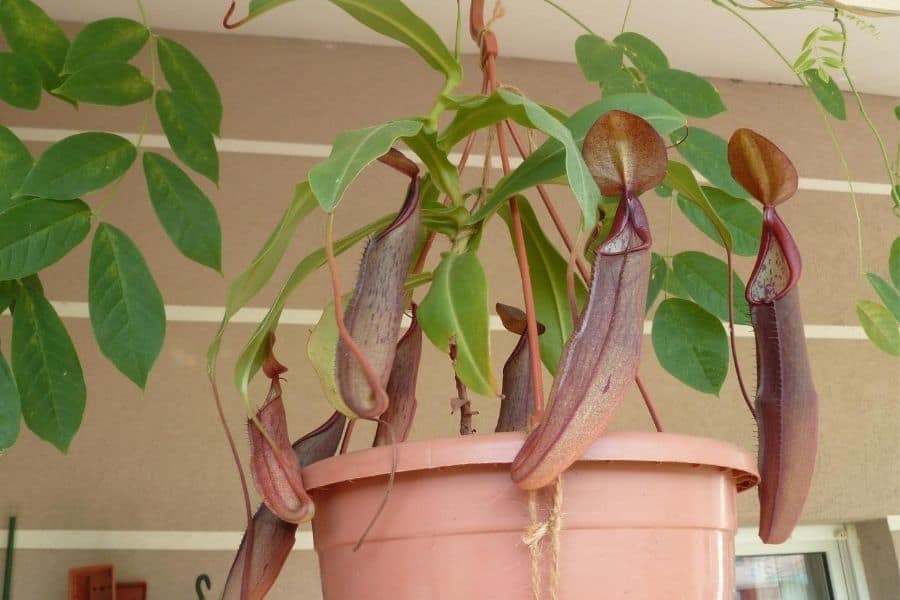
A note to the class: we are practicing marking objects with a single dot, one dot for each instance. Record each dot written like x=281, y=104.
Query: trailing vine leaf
x=705, y=278
x=33, y=35
x=597, y=58
x=190, y=80
x=393, y=19
x=887, y=293
x=682, y=179
x=20, y=82
x=894, y=262
x=740, y=217
x=817, y=55
x=112, y=84
x=188, y=132
x=251, y=357
x=15, y=162
x=352, y=152
x=708, y=153
x=443, y=174
x=549, y=160
x=827, y=93
x=691, y=344
x=880, y=326
x=455, y=310
x=113, y=40
x=642, y=52
x=47, y=371
x=10, y=407
x=127, y=312
x=548, y=279
x=622, y=82
x=78, y=164
x=251, y=280
x=184, y=211
x=689, y=93
x=658, y=271
x=53, y=229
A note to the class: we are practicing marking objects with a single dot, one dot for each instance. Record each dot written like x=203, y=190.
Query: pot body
x=645, y=516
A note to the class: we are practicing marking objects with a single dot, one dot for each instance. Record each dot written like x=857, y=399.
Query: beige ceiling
x=696, y=35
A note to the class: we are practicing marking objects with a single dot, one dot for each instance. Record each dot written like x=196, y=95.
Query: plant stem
x=462, y=400
x=575, y=19
x=8, y=565
x=734, y=353
x=650, y=408
x=348, y=433
x=625, y=18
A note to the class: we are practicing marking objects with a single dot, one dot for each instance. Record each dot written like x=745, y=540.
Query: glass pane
x=782, y=577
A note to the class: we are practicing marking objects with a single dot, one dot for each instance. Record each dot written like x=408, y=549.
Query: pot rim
x=501, y=448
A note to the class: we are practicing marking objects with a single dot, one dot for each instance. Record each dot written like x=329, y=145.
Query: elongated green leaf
x=682, y=179
x=742, y=219
x=827, y=93
x=642, y=52
x=351, y=153
x=35, y=233
x=549, y=160
x=252, y=279
x=455, y=310
x=894, y=263
x=113, y=40
x=20, y=82
x=185, y=212
x=597, y=58
x=10, y=407
x=887, y=293
x=548, y=279
x=708, y=154
x=253, y=353
x=443, y=173
x=190, y=80
x=880, y=325
x=393, y=19
x=33, y=35
x=188, y=133
x=658, y=271
x=79, y=164
x=706, y=280
x=689, y=93
x=126, y=308
x=112, y=84
x=47, y=371
x=321, y=350
x=691, y=344
x=8, y=291
x=257, y=7
x=15, y=162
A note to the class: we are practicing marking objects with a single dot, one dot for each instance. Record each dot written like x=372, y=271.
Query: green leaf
x=621, y=82
x=691, y=344
x=351, y=153
x=47, y=371
x=15, y=162
x=879, y=325
x=10, y=407
x=708, y=153
x=113, y=40
x=184, y=211
x=111, y=84
x=443, y=173
x=126, y=308
x=674, y=287
x=79, y=164
x=705, y=278
x=393, y=19
x=689, y=93
x=742, y=219
x=251, y=357
x=455, y=309
x=548, y=280
x=597, y=58
x=257, y=7
x=681, y=178
x=894, y=263
x=8, y=291
x=658, y=271
x=20, y=82
x=827, y=93
x=35, y=233
x=322, y=350
x=190, y=80
x=887, y=293
x=188, y=133
x=33, y=35
x=549, y=160
x=642, y=52
x=252, y=279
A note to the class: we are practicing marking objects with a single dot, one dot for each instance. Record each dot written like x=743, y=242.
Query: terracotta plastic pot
x=646, y=516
